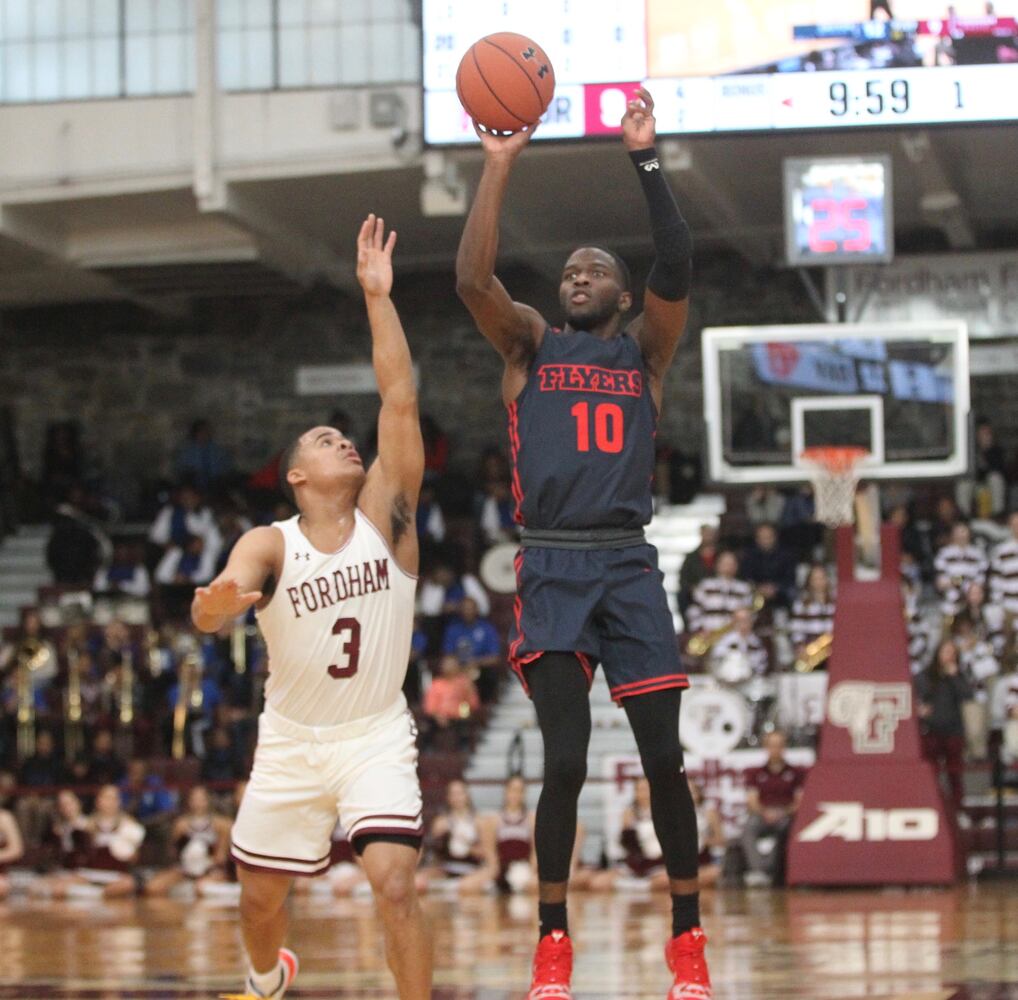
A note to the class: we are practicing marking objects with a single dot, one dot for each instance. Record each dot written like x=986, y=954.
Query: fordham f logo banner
x=870, y=712
x=871, y=811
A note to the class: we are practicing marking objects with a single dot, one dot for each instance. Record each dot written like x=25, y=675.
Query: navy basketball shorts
x=607, y=606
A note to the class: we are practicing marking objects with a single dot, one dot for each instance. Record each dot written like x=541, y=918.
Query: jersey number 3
x=351, y=647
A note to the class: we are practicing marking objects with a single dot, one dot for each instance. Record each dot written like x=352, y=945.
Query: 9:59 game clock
x=838, y=210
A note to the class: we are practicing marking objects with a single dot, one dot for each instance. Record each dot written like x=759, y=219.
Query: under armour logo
x=303, y=555
x=529, y=53
x=544, y=70
x=651, y=165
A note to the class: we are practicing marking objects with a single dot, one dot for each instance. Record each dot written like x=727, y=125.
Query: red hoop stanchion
x=835, y=475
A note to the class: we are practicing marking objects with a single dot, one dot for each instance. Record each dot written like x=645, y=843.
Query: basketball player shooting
x=334, y=591
x=583, y=406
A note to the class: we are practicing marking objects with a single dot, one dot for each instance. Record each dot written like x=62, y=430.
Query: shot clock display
x=740, y=65
x=838, y=210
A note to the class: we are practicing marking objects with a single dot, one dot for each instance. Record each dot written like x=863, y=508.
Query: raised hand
x=374, y=256
x=639, y=127
x=504, y=147
x=223, y=599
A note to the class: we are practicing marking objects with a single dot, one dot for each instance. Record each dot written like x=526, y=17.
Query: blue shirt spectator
x=470, y=637
x=144, y=795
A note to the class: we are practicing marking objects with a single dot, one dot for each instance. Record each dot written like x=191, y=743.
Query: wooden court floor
x=767, y=944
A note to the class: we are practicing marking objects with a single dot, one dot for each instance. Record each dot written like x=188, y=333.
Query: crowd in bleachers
x=124, y=743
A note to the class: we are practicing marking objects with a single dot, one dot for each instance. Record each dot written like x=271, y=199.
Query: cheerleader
x=459, y=853
x=711, y=837
x=202, y=840
x=11, y=848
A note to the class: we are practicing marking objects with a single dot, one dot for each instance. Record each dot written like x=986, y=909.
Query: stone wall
x=135, y=383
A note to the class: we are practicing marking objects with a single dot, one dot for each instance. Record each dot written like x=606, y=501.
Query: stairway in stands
x=675, y=531
x=22, y=571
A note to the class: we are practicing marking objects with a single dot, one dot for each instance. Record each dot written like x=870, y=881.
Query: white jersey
x=337, y=628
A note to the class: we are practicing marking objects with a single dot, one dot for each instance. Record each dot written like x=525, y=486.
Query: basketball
x=505, y=82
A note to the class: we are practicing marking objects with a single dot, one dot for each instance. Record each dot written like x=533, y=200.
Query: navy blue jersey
x=581, y=435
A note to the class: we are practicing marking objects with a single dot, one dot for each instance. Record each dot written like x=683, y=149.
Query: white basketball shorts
x=364, y=772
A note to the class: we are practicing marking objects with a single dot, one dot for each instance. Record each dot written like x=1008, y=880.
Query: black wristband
x=671, y=273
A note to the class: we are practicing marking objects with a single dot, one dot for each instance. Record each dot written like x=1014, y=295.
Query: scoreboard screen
x=740, y=65
x=838, y=210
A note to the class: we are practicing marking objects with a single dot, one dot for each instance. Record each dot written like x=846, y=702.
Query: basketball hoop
x=835, y=476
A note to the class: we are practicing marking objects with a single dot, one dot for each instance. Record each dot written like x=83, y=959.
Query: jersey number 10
x=352, y=648
x=608, y=427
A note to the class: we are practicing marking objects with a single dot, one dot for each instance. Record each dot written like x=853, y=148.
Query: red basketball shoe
x=553, y=968
x=688, y=964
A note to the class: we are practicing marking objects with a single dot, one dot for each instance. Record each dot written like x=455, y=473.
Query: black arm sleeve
x=671, y=273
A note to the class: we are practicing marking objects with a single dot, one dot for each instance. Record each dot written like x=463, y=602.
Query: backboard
x=901, y=391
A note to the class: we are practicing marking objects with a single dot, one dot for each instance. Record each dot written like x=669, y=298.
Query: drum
x=731, y=667
x=498, y=568
x=714, y=720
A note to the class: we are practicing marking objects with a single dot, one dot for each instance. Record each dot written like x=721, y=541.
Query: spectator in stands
x=77, y=546
x=1004, y=712
x=222, y=761
x=958, y=564
x=716, y=598
x=942, y=690
x=105, y=766
x=146, y=797
x=187, y=515
x=769, y=567
x=430, y=521
x=413, y=685
x=439, y=596
x=43, y=770
x=1004, y=571
x=125, y=574
x=711, y=837
x=436, y=447
x=698, y=565
x=985, y=494
x=979, y=666
x=190, y=564
x=739, y=655
x=912, y=540
x=232, y=523
x=800, y=531
x=498, y=514
x=475, y=643
x=449, y=704
x=764, y=505
x=109, y=855
x=201, y=460
x=31, y=639
x=945, y=516
x=12, y=848
x=813, y=610
x=912, y=595
x=201, y=709
x=508, y=839
x=773, y=793
x=201, y=840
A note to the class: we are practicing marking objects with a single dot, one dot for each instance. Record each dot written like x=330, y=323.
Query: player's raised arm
x=394, y=482
x=513, y=328
x=666, y=303
x=254, y=558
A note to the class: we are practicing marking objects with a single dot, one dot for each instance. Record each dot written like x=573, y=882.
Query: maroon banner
x=872, y=810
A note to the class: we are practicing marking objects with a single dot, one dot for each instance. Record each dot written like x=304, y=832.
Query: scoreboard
x=738, y=65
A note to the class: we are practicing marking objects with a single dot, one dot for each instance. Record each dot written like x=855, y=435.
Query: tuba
x=189, y=697
x=30, y=656
x=125, y=701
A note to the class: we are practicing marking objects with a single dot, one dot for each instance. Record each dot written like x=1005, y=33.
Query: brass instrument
x=29, y=656
x=190, y=697
x=125, y=699
x=816, y=652
x=703, y=642
x=153, y=653
x=74, y=741
x=242, y=632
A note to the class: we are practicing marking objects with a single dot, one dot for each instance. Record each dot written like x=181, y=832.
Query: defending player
x=583, y=406
x=336, y=738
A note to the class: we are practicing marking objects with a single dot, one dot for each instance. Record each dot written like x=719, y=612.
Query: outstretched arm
x=666, y=304
x=394, y=481
x=512, y=328
x=254, y=558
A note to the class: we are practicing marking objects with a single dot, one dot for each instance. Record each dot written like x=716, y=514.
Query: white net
x=835, y=476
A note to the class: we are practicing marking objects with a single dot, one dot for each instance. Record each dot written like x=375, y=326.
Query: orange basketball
x=505, y=81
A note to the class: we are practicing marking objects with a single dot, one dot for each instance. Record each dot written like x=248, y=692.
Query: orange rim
x=835, y=459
